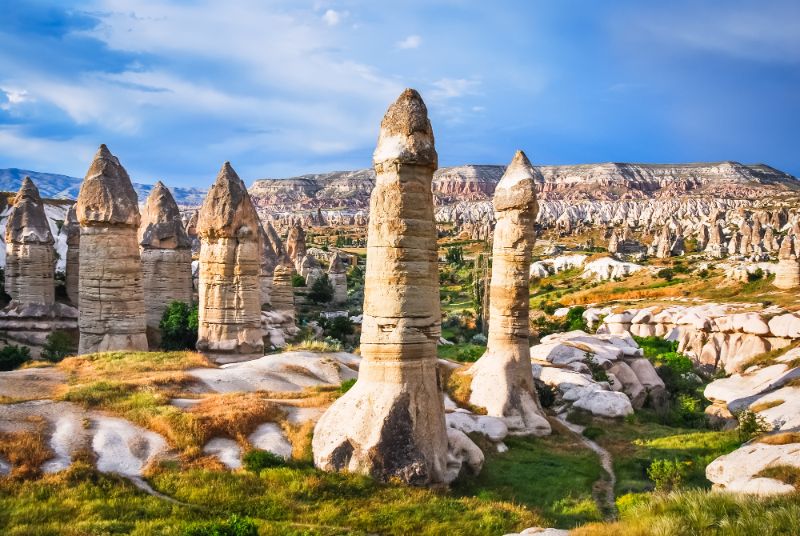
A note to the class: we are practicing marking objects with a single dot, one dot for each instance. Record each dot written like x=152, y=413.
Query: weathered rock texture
x=30, y=265
x=787, y=273
x=230, y=267
x=112, y=315
x=282, y=293
x=391, y=424
x=296, y=245
x=166, y=258
x=502, y=381
x=337, y=274
x=72, y=230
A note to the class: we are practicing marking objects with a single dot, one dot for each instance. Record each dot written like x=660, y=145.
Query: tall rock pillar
x=337, y=274
x=502, y=380
x=72, y=230
x=787, y=273
x=110, y=289
x=166, y=258
x=230, y=267
x=390, y=424
x=30, y=266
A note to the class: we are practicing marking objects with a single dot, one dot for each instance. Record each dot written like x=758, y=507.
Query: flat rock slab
x=269, y=437
x=287, y=372
x=226, y=450
x=31, y=383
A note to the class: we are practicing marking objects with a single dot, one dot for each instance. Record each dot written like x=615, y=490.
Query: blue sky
x=279, y=88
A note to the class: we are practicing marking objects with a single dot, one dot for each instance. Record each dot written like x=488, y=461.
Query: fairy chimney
x=72, y=230
x=337, y=275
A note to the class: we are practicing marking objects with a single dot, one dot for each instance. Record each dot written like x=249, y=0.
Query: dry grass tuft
x=131, y=365
x=233, y=415
x=763, y=406
x=784, y=438
x=26, y=450
x=458, y=386
x=299, y=435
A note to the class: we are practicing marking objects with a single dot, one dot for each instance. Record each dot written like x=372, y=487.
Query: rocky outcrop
x=166, y=258
x=272, y=254
x=296, y=245
x=502, y=381
x=230, y=267
x=787, y=273
x=717, y=246
x=282, y=293
x=72, y=231
x=112, y=313
x=30, y=265
x=337, y=274
x=391, y=423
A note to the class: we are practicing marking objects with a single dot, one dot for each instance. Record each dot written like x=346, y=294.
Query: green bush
x=593, y=432
x=233, y=526
x=347, y=385
x=469, y=353
x=751, y=425
x=258, y=459
x=667, y=475
x=298, y=280
x=547, y=394
x=755, y=276
x=12, y=356
x=575, y=319
x=321, y=291
x=339, y=328
x=57, y=346
x=599, y=374
x=666, y=273
x=178, y=327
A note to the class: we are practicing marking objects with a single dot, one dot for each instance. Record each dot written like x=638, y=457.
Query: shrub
x=178, y=327
x=575, y=319
x=755, y=276
x=666, y=273
x=667, y=475
x=469, y=353
x=13, y=356
x=547, y=394
x=347, y=385
x=599, y=374
x=550, y=308
x=57, y=346
x=233, y=526
x=593, y=432
x=298, y=280
x=751, y=425
x=455, y=255
x=479, y=339
x=321, y=291
x=340, y=327
x=258, y=459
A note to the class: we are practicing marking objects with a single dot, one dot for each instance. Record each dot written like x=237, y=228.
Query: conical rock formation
x=391, y=424
x=337, y=275
x=230, y=267
x=29, y=271
x=112, y=315
x=166, y=258
x=502, y=380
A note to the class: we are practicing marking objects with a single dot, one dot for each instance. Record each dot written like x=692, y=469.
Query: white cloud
x=451, y=88
x=332, y=17
x=412, y=41
x=13, y=97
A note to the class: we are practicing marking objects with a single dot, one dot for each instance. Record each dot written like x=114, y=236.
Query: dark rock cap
x=406, y=135
x=107, y=195
x=227, y=208
x=27, y=222
x=162, y=226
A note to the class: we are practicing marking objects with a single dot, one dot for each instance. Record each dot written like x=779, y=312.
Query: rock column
x=296, y=245
x=337, y=275
x=72, y=229
x=166, y=258
x=30, y=255
x=230, y=267
x=502, y=379
x=787, y=273
x=390, y=424
x=282, y=291
x=112, y=315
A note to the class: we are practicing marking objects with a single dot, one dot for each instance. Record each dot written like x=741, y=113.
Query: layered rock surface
x=502, y=381
x=230, y=267
x=112, y=313
x=166, y=258
x=391, y=423
x=72, y=232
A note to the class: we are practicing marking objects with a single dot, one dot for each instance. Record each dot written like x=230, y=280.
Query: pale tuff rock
x=112, y=313
x=191, y=231
x=296, y=245
x=282, y=293
x=607, y=268
x=787, y=273
x=166, y=258
x=337, y=274
x=310, y=269
x=72, y=229
x=716, y=246
x=736, y=472
x=30, y=263
x=272, y=254
x=391, y=423
x=230, y=268
x=502, y=381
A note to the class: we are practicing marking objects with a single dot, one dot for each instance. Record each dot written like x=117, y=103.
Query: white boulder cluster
x=565, y=361
x=718, y=336
x=602, y=269
x=772, y=392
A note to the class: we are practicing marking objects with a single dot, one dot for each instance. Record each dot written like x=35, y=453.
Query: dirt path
x=603, y=489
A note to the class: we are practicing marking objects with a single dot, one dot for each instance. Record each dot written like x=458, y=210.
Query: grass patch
x=552, y=474
x=788, y=474
x=634, y=446
x=783, y=438
x=463, y=353
x=763, y=406
x=26, y=450
x=701, y=512
x=325, y=346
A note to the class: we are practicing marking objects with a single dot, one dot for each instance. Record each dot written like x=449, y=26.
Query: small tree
x=666, y=273
x=751, y=425
x=340, y=327
x=179, y=327
x=57, y=346
x=13, y=356
x=667, y=475
x=298, y=280
x=321, y=291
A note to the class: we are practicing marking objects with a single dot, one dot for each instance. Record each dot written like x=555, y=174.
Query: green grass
x=281, y=500
x=701, y=512
x=465, y=353
x=553, y=475
x=635, y=445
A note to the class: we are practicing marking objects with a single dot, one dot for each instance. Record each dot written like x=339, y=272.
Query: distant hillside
x=55, y=186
